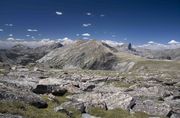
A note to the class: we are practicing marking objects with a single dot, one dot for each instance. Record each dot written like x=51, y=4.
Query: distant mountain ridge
x=21, y=54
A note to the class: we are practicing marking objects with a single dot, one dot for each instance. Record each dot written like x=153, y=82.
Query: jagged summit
x=89, y=54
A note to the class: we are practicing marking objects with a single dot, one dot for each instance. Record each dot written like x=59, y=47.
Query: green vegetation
x=116, y=113
x=91, y=73
x=122, y=84
x=156, y=65
x=20, y=108
x=28, y=111
x=2, y=71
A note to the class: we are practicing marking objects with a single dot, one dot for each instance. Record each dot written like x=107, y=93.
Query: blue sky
x=136, y=21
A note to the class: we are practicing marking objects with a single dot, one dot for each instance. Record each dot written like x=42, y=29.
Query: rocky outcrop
x=105, y=100
x=152, y=107
x=79, y=106
x=14, y=95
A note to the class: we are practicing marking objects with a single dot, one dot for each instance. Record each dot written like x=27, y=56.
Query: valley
x=87, y=79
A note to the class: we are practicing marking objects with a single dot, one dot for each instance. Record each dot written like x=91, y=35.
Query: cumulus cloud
x=13, y=39
x=65, y=41
x=10, y=35
x=86, y=34
x=173, y=42
x=87, y=25
x=10, y=39
x=10, y=25
x=151, y=42
x=59, y=13
x=112, y=43
x=32, y=30
x=88, y=14
x=1, y=30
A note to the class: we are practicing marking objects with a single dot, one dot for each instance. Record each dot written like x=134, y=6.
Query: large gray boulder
x=54, y=89
x=152, y=108
x=79, y=106
x=105, y=100
x=13, y=94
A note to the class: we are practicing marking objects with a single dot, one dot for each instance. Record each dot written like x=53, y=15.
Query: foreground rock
x=10, y=116
x=79, y=106
x=153, y=108
x=12, y=94
x=55, y=90
x=105, y=100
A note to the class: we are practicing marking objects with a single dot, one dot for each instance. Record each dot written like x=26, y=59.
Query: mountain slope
x=21, y=54
x=82, y=54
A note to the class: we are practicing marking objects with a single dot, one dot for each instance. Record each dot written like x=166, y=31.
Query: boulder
x=79, y=106
x=105, y=100
x=152, y=108
x=13, y=94
x=55, y=90
x=150, y=92
x=175, y=115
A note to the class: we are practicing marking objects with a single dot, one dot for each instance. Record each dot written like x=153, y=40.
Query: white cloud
x=88, y=13
x=59, y=13
x=10, y=39
x=85, y=38
x=87, y=25
x=86, y=34
x=27, y=35
x=173, y=42
x=65, y=41
x=1, y=30
x=10, y=35
x=10, y=25
x=10, y=42
x=32, y=30
x=112, y=43
x=151, y=42
x=13, y=39
x=102, y=15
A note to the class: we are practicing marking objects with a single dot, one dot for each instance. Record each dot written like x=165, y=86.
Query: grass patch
x=119, y=84
x=2, y=72
x=20, y=108
x=116, y=113
x=155, y=65
x=122, y=84
x=26, y=110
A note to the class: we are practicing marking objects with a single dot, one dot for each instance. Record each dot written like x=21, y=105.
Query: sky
x=135, y=21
